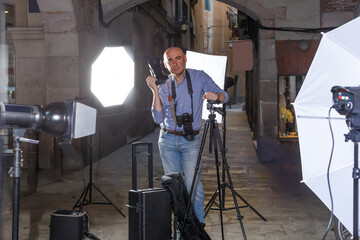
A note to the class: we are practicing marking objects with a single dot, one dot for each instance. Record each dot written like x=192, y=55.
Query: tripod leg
x=226, y=167
x=217, y=163
x=224, y=184
x=206, y=128
x=82, y=199
x=109, y=201
x=249, y=205
x=88, y=190
x=198, y=163
x=210, y=203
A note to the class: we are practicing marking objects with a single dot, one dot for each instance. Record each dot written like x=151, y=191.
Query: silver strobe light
x=68, y=119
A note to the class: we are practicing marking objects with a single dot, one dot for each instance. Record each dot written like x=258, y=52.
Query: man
x=177, y=107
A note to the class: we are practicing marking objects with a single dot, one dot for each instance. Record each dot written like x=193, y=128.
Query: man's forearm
x=156, y=101
x=222, y=97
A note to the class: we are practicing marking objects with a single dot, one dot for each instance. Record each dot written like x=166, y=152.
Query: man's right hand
x=150, y=81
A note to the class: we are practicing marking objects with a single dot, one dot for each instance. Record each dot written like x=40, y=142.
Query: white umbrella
x=337, y=62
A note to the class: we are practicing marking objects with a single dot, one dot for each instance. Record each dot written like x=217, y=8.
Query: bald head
x=175, y=61
x=170, y=49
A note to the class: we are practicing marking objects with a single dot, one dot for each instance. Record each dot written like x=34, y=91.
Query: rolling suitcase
x=149, y=209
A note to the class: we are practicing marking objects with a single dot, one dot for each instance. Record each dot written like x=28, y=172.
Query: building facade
x=51, y=45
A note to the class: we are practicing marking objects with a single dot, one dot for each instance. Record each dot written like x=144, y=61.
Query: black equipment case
x=149, y=209
x=68, y=224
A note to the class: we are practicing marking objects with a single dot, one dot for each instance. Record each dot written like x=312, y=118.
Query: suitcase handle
x=134, y=163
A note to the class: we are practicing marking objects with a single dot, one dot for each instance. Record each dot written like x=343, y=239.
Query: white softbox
x=214, y=66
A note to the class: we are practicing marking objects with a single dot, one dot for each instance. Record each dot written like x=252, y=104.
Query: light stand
x=356, y=192
x=215, y=140
x=228, y=83
x=15, y=172
x=68, y=119
x=346, y=102
x=82, y=200
x=223, y=113
x=354, y=135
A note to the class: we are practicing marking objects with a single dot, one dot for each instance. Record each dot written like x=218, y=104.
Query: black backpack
x=192, y=228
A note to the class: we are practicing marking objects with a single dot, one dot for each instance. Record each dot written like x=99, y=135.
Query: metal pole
x=16, y=186
x=15, y=172
x=134, y=168
x=356, y=192
x=90, y=166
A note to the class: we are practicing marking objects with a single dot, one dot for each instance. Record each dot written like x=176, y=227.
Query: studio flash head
x=67, y=119
x=346, y=100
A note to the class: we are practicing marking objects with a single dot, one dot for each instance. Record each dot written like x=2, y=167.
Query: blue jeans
x=176, y=151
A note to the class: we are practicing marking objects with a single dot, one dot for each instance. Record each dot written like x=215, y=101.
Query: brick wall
x=339, y=5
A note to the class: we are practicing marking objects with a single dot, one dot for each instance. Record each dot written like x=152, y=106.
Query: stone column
x=267, y=98
x=62, y=63
x=268, y=88
x=30, y=77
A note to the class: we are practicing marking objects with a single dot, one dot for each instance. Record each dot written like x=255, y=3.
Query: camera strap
x=172, y=107
x=190, y=91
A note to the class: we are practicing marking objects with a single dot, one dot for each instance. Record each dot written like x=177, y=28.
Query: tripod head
x=210, y=106
x=353, y=123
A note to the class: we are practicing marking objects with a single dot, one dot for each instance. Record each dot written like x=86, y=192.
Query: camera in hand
x=156, y=70
x=186, y=121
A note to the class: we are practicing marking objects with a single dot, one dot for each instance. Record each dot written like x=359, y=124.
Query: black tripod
x=215, y=140
x=82, y=200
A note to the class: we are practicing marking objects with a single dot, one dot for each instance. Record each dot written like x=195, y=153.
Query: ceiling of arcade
x=113, y=8
x=252, y=8
x=55, y=12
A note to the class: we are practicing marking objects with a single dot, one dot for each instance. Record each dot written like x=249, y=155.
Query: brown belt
x=179, y=133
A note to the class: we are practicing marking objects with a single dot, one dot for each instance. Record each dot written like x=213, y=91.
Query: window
x=9, y=15
x=288, y=88
x=7, y=70
x=181, y=11
x=9, y=56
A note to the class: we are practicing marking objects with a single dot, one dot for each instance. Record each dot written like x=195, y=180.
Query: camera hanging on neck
x=186, y=119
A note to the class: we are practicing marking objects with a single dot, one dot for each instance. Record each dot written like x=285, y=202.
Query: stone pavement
x=292, y=211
